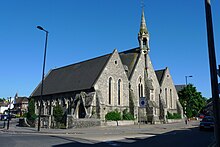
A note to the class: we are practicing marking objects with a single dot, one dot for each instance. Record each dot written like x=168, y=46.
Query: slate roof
x=20, y=100
x=179, y=87
x=160, y=75
x=130, y=58
x=79, y=76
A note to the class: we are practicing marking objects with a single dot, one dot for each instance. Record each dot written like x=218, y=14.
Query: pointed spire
x=143, y=35
x=143, y=27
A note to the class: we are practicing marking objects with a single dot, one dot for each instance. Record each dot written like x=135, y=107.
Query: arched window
x=110, y=90
x=69, y=108
x=166, y=96
x=144, y=41
x=140, y=88
x=119, y=91
x=171, y=99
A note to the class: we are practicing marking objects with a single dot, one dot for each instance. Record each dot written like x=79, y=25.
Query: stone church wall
x=169, y=93
x=153, y=94
x=151, y=79
x=135, y=80
x=115, y=70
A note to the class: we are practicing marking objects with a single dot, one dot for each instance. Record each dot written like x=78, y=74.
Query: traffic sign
x=142, y=102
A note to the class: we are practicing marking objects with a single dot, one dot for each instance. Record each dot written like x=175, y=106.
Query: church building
x=119, y=80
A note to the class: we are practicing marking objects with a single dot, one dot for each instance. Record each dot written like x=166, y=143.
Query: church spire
x=143, y=27
x=143, y=35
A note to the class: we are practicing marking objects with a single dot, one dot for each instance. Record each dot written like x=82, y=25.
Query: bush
x=173, y=116
x=127, y=115
x=58, y=113
x=31, y=116
x=176, y=116
x=114, y=115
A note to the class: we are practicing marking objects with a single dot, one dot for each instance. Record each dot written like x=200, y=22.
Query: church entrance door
x=82, y=112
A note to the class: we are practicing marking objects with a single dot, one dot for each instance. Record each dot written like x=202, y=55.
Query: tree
x=113, y=115
x=58, y=113
x=191, y=100
x=31, y=116
x=2, y=99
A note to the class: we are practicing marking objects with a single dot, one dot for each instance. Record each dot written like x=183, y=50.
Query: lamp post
x=187, y=78
x=9, y=115
x=185, y=103
x=42, y=81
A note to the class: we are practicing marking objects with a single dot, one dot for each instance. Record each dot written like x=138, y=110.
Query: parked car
x=207, y=123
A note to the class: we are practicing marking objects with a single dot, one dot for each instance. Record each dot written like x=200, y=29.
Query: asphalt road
x=191, y=137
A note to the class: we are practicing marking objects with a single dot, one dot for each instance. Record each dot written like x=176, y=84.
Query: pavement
x=105, y=133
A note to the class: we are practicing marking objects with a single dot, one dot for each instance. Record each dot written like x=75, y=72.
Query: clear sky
x=84, y=29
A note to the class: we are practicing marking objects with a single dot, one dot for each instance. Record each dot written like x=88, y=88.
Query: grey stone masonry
x=113, y=70
x=168, y=92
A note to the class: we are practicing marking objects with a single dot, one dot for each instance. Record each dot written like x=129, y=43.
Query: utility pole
x=213, y=70
x=9, y=115
x=42, y=81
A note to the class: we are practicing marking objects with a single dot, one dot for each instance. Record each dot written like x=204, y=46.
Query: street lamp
x=186, y=79
x=185, y=103
x=42, y=81
x=9, y=115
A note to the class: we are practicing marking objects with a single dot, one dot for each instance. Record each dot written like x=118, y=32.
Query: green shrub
x=31, y=116
x=169, y=115
x=127, y=115
x=173, y=116
x=58, y=113
x=24, y=115
x=114, y=115
x=176, y=116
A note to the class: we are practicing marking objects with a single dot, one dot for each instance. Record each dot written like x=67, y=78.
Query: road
x=148, y=135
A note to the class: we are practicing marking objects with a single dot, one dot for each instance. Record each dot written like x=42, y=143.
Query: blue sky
x=84, y=29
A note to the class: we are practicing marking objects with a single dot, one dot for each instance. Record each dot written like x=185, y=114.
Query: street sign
x=142, y=102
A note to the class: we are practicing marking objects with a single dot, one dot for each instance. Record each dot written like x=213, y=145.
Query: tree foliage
x=58, y=113
x=173, y=116
x=31, y=116
x=127, y=115
x=2, y=99
x=191, y=100
x=113, y=115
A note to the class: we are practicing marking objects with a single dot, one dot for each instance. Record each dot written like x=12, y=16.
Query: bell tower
x=143, y=35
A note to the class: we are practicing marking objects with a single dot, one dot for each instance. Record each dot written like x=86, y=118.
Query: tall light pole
x=9, y=113
x=187, y=78
x=185, y=103
x=213, y=70
x=42, y=81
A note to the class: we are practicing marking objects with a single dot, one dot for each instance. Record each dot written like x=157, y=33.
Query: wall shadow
x=190, y=137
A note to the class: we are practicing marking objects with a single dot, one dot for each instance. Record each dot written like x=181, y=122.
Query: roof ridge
x=136, y=48
x=81, y=62
x=93, y=59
